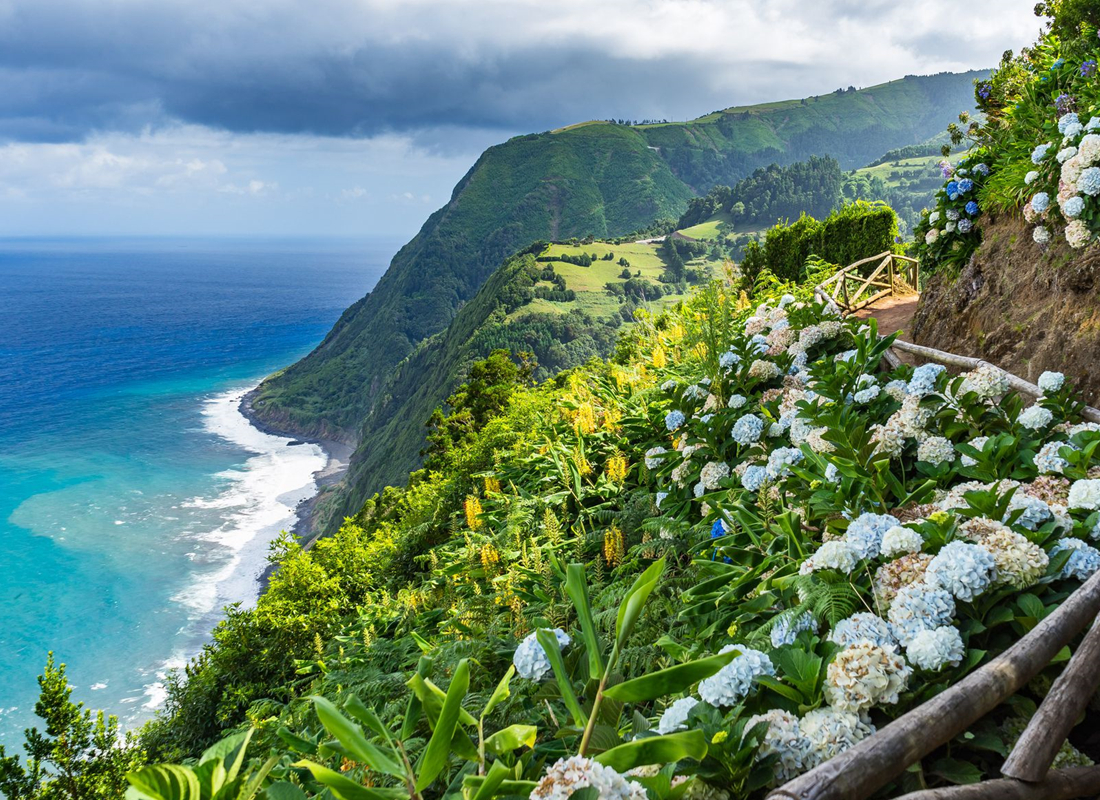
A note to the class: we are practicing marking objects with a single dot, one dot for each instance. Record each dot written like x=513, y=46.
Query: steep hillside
x=596, y=179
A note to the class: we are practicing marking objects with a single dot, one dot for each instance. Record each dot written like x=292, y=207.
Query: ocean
x=135, y=500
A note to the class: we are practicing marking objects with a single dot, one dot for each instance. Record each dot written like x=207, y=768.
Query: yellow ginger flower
x=659, y=359
x=492, y=485
x=473, y=512
x=583, y=467
x=489, y=557
x=616, y=468
x=611, y=417
x=614, y=545
x=585, y=419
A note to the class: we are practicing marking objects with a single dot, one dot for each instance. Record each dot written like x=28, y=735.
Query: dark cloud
x=361, y=67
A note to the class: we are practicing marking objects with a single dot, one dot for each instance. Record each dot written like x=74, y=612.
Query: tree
x=79, y=757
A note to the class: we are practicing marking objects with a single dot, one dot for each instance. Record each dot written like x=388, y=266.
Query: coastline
x=336, y=466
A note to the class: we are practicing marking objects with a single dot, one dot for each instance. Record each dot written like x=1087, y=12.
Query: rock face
x=1024, y=307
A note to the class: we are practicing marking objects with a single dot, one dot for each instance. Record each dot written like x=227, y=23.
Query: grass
x=922, y=167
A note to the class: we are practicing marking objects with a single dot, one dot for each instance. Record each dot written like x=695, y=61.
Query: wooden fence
x=851, y=290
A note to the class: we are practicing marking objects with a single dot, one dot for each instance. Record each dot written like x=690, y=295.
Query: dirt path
x=893, y=314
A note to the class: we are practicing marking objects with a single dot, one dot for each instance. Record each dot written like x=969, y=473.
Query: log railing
x=873, y=763
x=851, y=290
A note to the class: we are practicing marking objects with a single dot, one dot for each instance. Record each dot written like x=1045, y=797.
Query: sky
x=357, y=117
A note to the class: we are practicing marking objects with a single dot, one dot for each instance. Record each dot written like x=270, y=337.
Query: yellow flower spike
x=611, y=417
x=473, y=512
x=614, y=546
x=583, y=467
x=616, y=468
x=492, y=485
x=659, y=360
x=585, y=421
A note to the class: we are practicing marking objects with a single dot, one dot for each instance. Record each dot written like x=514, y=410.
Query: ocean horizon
x=135, y=499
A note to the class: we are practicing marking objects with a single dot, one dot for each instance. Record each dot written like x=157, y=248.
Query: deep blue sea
x=135, y=501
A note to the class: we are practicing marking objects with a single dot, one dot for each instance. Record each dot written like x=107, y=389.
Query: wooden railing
x=851, y=290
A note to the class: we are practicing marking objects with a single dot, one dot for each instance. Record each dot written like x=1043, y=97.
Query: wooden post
x=890, y=273
x=857, y=773
x=1062, y=784
x=1037, y=746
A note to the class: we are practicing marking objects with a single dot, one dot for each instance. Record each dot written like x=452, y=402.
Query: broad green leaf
x=634, y=601
x=284, y=790
x=435, y=754
x=655, y=750
x=511, y=738
x=669, y=681
x=576, y=586
x=507, y=788
x=355, y=707
x=295, y=742
x=955, y=771
x=351, y=737
x=490, y=783
x=165, y=782
x=432, y=697
x=780, y=688
x=345, y=788
x=500, y=693
x=550, y=646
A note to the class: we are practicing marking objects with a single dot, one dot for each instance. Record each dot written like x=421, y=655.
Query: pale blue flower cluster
x=758, y=344
x=1035, y=417
x=898, y=541
x=863, y=627
x=1039, y=153
x=753, y=478
x=919, y=607
x=1040, y=202
x=1031, y=177
x=694, y=392
x=981, y=169
x=661, y=498
x=675, y=716
x=978, y=443
x=737, y=401
x=1036, y=511
x=865, y=396
x=965, y=226
x=952, y=214
x=786, y=300
x=1083, y=562
x=832, y=474
x=747, y=429
x=865, y=533
x=1089, y=182
x=1067, y=119
x=897, y=389
x=1048, y=460
x=965, y=185
x=1051, y=382
x=785, y=631
x=530, y=659
x=728, y=360
x=934, y=649
x=781, y=460
x=1073, y=207
x=924, y=379
x=674, y=419
x=668, y=385
x=735, y=680
x=965, y=570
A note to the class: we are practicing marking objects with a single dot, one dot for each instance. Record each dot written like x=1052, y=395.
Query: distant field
x=589, y=282
x=922, y=167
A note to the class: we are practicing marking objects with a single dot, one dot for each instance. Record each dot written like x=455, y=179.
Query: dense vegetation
x=595, y=179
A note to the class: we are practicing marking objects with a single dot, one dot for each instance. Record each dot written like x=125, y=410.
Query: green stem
x=598, y=700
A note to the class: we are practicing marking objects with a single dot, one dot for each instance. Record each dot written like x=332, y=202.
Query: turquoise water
x=135, y=501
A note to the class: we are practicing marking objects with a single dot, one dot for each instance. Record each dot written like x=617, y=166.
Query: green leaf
x=435, y=754
x=432, y=697
x=576, y=586
x=669, y=681
x=295, y=742
x=634, y=601
x=781, y=688
x=955, y=771
x=284, y=790
x=491, y=782
x=500, y=693
x=355, y=707
x=512, y=738
x=165, y=782
x=550, y=646
x=351, y=737
x=655, y=750
x=345, y=788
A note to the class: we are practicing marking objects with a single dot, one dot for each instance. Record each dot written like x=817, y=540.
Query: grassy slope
x=594, y=179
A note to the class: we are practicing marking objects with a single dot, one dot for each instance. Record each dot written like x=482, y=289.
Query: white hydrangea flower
x=978, y=443
x=737, y=401
x=651, y=457
x=934, y=649
x=1031, y=177
x=936, y=450
x=530, y=659
x=986, y=381
x=763, y=370
x=735, y=680
x=965, y=570
x=919, y=607
x=1085, y=494
x=900, y=540
x=1035, y=417
x=1084, y=561
x=781, y=460
x=864, y=675
x=675, y=716
x=896, y=390
x=783, y=739
x=1048, y=461
x=1051, y=382
x=836, y=554
x=567, y=775
x=830, y=732
x=861, y=627
x=747, y=429
x=713, y=473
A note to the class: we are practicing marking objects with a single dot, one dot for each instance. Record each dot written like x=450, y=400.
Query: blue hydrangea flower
x=832, y=474
x=718, y=529
x=865, y=532
x=1093, y=124
x=1058, y=64
x=674, y=419
x=1040, y=202
x=530, y=659
x=965, y=226
x=981, y=169
x=1036, y=511
x=661, y=498
x=972, y=208
x=1073, y=207
x=1082, y=564
x=1088, y=68
x=924, y=379
x=728, y=360
x=1051, y=382
x=753, y=478
x=781, y=460
x=1039, y=153
x=748, y=429
x=965, y=570
x=1067, y=119
x=934, y=649
x=965, y=185
x=952, y=189
x=785, y=631
x=736, y=401
x=1089, y=182
x=863, y=627
x=675, y=716
x=735, y=680
x=919, y=607
x=865, y=396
